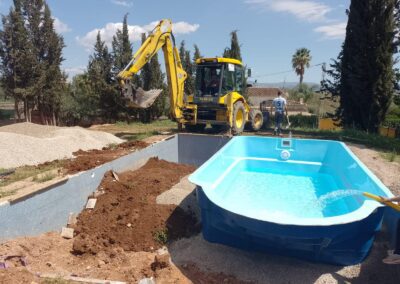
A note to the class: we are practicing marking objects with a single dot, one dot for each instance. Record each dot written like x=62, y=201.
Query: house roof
x=265, y=93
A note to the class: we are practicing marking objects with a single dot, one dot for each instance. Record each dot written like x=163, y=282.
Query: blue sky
x=269, y=30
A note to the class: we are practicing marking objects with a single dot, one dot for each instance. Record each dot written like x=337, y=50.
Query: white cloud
x=73, y=71
x=60, y=27
x=311, y=11
x=334, y=31
x=135, y=32
x=125, y=3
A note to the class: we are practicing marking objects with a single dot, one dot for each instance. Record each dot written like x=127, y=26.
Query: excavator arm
x=160, y=38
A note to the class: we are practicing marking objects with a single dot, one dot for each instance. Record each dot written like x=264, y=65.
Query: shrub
x=303, y=121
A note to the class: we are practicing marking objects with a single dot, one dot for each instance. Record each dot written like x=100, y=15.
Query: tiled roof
x=265, y=93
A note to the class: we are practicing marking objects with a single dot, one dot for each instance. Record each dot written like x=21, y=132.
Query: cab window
x=239, y=78
x=208, y=80
x=228, y=81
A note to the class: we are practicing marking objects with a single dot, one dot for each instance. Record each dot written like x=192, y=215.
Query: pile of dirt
x=85, y=160
x=32, y=144
x=127, y=216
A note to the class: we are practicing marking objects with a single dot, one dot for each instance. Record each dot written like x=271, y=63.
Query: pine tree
x=196, y=54
x=226, y=53
x=188, y=67
x=234, y=51
x=367, y=65
x=49, y=101
x=32, y=53
x=331, y=83
x=189, y=82
x=182, y=53
x=121, y=48
x=16, y=59
x=153, y=78
x=145, y=73
x=101, y=78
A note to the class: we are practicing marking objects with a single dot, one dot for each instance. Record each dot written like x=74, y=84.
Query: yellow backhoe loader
x=217, y=100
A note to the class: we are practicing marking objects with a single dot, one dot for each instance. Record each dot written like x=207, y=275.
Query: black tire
x=195, y=127
x=239, y=118
x=256, y=119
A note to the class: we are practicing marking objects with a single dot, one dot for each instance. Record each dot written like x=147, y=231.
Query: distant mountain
x=285, y=85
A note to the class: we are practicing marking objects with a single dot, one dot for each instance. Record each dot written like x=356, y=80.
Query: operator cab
x=216, y=77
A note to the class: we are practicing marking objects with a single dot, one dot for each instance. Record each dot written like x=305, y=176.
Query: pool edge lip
x=366, y=209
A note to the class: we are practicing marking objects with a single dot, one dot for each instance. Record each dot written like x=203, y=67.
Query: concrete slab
x=67, y=233
x=91, y=203
x=183, y=195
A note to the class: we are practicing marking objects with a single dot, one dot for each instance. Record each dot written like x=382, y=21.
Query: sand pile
x=31, y=144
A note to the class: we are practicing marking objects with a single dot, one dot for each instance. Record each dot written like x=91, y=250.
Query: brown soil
x=49, y=254
x=17, y=275
x=86, y=160
x=126, y=216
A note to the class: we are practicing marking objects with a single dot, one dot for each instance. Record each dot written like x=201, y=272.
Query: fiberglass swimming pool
x=294, y=197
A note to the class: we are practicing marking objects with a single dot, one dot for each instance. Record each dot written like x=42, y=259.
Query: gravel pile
x=32, y=144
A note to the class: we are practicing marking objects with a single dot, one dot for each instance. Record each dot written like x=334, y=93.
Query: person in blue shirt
x=279, y=104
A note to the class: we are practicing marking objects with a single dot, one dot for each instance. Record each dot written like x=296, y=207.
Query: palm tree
x=300, y=61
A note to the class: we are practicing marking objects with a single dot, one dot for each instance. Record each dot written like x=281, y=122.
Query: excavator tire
x=195, y=128
x=256, y=119
x=239, y=118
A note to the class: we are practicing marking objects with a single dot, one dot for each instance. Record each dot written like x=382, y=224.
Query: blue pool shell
x=342, y=239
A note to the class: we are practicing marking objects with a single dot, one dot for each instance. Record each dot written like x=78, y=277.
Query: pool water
x=260, y=189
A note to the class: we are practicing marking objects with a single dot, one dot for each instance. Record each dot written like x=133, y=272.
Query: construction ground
x=145, y=223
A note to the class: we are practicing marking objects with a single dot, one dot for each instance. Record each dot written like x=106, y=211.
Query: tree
x=153, y=78
x=31, y=53
x=80, y=103
x=54, y=81
x=101, y=78
x=15, y=59
x=189, y=68
x=331, y=83
x=182, y=53
x=235, y=47
x=234, y=50
x=300, y=61
x=226, y=53
x=121, y=48
x=367, y=65
x=196, y=54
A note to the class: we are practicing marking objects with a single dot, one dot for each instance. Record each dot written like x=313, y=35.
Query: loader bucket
x=138, y=98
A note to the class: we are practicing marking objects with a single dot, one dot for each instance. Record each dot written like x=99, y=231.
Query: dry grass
x=37, y=173
x=137, y=130
x=392, y=156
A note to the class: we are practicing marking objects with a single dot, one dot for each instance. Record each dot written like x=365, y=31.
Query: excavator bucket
x=138, y=98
